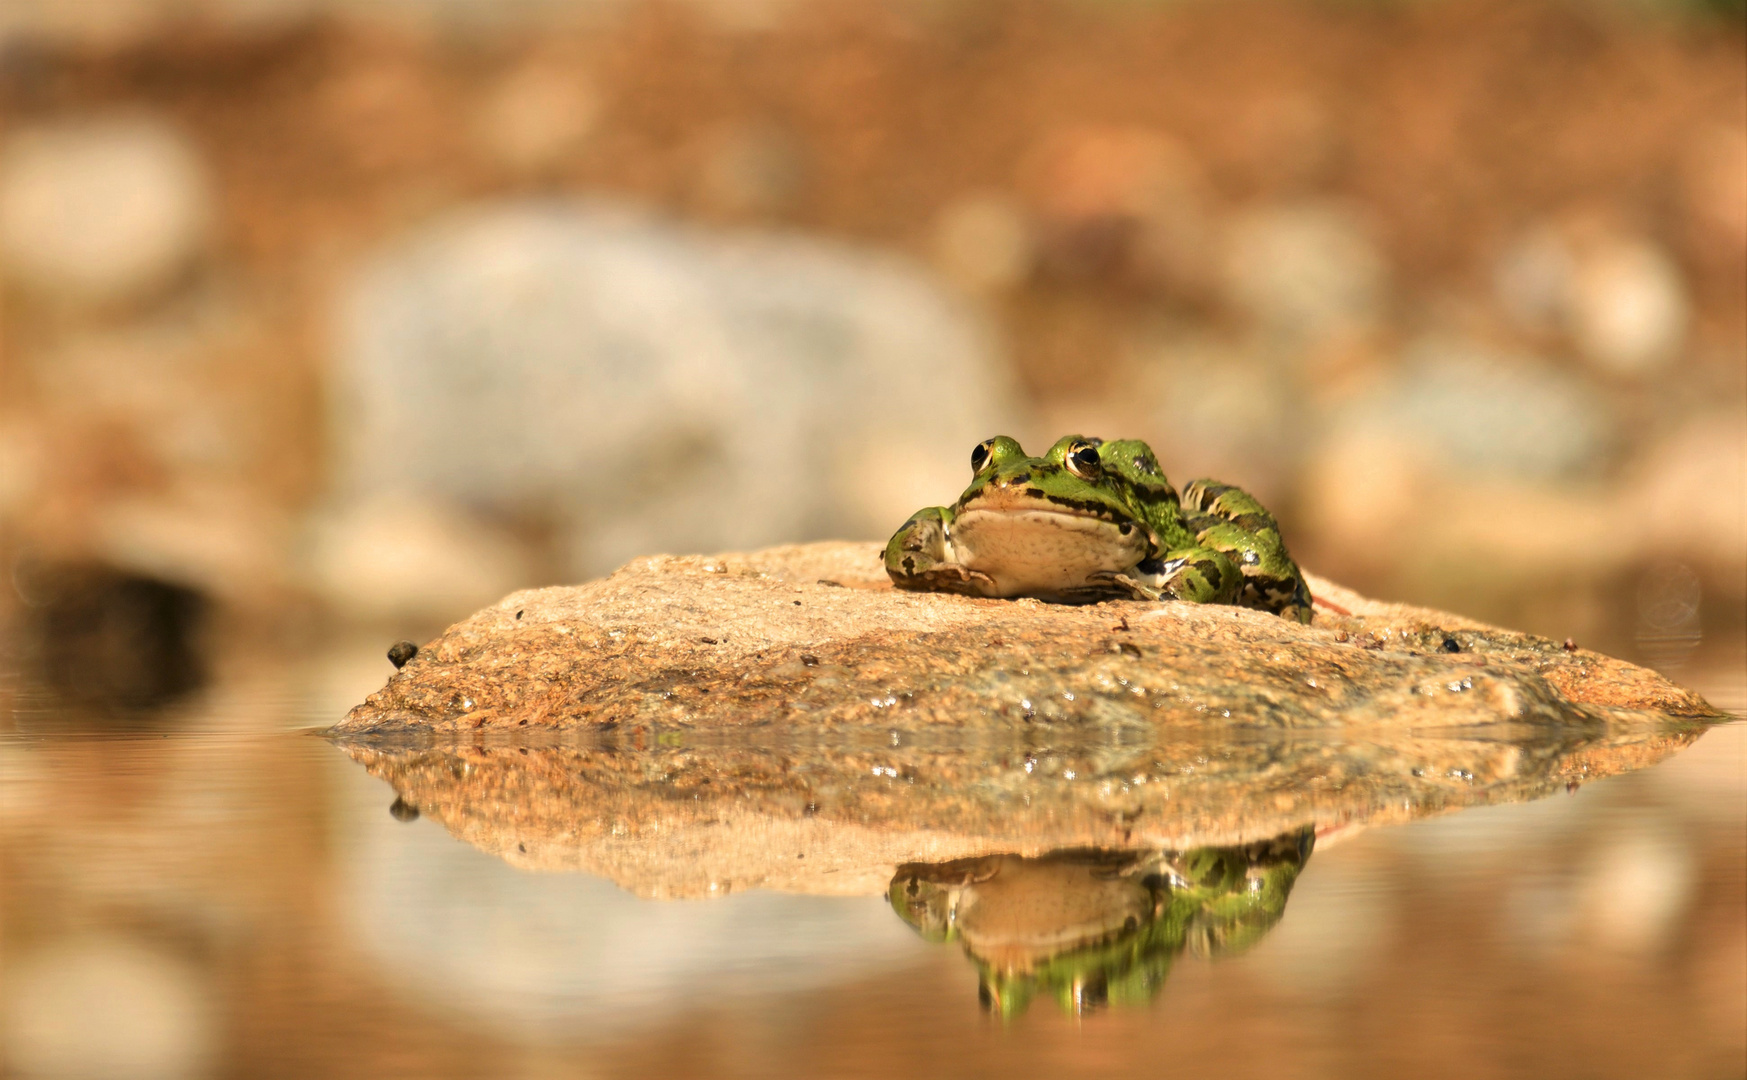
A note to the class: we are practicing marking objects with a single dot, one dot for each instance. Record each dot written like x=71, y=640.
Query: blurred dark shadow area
x=113, y=645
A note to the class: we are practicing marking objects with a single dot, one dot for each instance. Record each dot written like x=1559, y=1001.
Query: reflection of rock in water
x=1090, y=927
x=837, y=817
x=110, y=639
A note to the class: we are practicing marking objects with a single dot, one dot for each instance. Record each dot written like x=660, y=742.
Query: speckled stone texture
x=813, y=639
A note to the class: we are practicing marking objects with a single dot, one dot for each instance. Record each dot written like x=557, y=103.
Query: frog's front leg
x=920, y=558
x=1200, y=575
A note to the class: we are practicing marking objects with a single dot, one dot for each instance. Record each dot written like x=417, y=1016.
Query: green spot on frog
x=1093, y=520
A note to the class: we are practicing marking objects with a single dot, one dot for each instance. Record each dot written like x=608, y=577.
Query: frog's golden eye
x=980, y=455
x=1082, y=459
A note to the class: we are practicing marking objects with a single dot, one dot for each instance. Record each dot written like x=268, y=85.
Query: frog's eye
x=1082, y=459
x=980, y=455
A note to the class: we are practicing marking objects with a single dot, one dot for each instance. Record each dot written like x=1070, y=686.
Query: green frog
x=1094, y=520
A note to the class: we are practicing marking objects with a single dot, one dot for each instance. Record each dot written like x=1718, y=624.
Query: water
x=214, y=892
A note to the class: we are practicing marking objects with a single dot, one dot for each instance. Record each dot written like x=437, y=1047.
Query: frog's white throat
x=1043, y=551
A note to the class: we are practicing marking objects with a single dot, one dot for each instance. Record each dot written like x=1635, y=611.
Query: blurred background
x=365, y=312
x=324, y=322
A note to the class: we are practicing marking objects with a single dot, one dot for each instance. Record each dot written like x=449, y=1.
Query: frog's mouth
x=1011, y=499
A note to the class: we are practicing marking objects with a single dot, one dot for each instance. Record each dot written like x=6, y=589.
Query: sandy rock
x=812, y=638
x=784, y=719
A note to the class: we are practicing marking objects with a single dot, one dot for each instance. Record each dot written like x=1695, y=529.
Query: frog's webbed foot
x=1199, y=575
x=919, y=557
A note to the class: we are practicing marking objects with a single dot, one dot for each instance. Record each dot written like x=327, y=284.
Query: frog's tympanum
x=1090, y=927
x=1094, y=520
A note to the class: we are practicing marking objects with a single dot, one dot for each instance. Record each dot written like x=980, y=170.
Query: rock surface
x=813, y=639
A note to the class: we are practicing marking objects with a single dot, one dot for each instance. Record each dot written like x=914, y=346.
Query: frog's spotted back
x=1094, y=520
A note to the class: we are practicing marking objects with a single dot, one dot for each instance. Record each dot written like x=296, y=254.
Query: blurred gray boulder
x=103, y=209
x=1472, y=409
x=635, y=385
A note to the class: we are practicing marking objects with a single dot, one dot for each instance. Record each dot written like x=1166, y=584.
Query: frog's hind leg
x=1230, y=520
x=1199, y=575
x=1234, y=504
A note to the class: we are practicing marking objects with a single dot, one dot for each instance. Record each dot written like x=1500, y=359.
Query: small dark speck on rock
x=797, y=603
x=708, y=640
x=829, y=584
x=518, y=614
x=523, y=848
x=401, y=810
x=1570, y=645
x=401, y=652
x=1451, y=645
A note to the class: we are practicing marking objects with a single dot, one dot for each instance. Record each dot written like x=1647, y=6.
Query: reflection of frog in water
x=1095, y=926
x=1095, y=520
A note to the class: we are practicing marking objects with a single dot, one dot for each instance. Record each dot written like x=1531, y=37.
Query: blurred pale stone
x=102, y=1008
x=1305, y=270
x=983, y=242
x=535, y=116
x=655, y=388
x=397, y=558
x=1629, y=306
x=102, y=209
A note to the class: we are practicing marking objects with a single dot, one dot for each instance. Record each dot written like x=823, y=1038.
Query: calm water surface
x=215, y=892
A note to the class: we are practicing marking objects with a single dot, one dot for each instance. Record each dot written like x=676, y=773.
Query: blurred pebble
x=1620, y=297
x=1629, y=306
x=650, y=386
x=983, y=242
x=101, y=210
x=1119, y=201
x=1305, y=271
